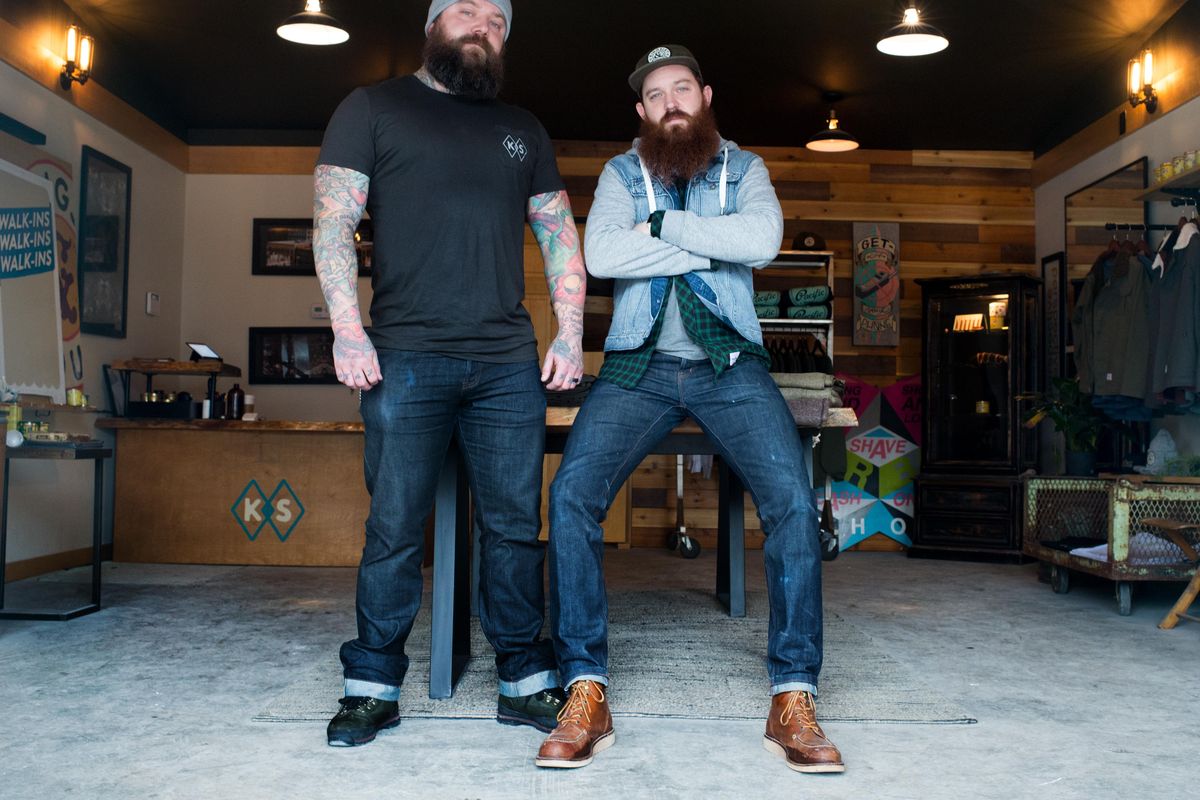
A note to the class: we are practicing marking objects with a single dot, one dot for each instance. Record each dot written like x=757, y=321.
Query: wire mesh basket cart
x=1111, y=527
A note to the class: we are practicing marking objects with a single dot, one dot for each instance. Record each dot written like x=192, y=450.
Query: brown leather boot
x=793, y=732
x=584, y=729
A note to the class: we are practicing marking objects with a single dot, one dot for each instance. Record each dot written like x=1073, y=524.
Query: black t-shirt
x=451, y=180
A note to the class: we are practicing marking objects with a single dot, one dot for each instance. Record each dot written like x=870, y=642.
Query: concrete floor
x=153, y=697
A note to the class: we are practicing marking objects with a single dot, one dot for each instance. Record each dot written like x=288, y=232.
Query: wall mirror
x=1113, y=200
x=1110, y=200
x=105, y=192
x=31, y=347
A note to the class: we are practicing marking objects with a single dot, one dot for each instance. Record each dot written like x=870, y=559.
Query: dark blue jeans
x=747, y=419
x=497, y=414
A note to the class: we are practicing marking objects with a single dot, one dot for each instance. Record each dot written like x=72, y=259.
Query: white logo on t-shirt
x=515, y=147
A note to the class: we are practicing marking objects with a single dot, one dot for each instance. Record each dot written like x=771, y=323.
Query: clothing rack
x=1132, y=226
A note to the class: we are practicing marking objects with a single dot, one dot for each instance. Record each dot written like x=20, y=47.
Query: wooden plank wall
x=960, y=213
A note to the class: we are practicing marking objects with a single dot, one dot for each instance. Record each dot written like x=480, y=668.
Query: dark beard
x=470, y=77
x=671, y=153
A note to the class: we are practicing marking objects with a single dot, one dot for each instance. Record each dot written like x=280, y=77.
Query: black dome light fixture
x=312, y=26
x=912, y=37
x=832, y=139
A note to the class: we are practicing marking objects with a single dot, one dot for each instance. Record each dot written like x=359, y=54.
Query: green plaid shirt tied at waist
x=719, y=341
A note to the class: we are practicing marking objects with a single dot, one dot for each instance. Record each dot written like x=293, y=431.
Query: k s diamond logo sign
x=515, y=147
x=255, y=510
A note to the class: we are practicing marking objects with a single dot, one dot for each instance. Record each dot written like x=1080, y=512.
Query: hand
x=564, y=363
x=642, y=227
x=356, y=362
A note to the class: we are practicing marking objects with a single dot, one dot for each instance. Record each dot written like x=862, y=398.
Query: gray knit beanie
x=438, y=6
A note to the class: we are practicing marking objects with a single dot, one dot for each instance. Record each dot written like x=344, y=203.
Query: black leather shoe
x=359, y=719
x=539, y=709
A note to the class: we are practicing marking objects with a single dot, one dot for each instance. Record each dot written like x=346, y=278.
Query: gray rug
x=671, y=654
x=133, y=574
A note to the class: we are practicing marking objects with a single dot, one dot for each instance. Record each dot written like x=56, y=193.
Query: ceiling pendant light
x=312, y=26
x=912, y=37
x=833, y=139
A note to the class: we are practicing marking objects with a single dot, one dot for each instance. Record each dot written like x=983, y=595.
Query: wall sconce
x=912, y=37
x=312, y=26
x=1141, y=82
x=80, y=49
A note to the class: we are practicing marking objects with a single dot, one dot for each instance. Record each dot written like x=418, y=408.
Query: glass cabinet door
x=969, y=392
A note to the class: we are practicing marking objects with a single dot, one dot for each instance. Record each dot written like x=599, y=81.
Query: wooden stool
x=1174, y=530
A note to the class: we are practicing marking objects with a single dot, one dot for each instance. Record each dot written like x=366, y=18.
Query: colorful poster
x=883, y=456
x=66, y=204
x=876, y=284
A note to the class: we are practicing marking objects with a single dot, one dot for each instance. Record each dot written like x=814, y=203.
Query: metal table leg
x=97, y=531
x=450, y=645
x=731, y=542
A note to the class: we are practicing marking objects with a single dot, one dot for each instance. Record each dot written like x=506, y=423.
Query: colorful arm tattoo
x=340, y=197
x=554, y=228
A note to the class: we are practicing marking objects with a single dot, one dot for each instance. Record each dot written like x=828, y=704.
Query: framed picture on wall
x=1054, y=296
x=291, y=356
x=284, y=247
x=105, y=192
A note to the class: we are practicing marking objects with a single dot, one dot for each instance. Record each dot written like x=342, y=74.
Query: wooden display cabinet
x=981, y=350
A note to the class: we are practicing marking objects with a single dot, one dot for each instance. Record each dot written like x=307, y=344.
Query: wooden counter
x=192, y=491
x=197, y=492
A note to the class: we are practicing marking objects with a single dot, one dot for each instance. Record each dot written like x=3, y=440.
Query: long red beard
x=673, y=153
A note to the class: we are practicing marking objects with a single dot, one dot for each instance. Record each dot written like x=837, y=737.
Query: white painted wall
x=50, y=508
x=224, y=300
x=1171, y=134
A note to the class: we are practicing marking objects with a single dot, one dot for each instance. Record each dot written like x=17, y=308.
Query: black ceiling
x=1019, y=74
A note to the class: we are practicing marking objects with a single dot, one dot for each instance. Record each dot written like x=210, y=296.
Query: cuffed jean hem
x=794, y=686
x=535, y=683
x=380, y=691
x=594, y=678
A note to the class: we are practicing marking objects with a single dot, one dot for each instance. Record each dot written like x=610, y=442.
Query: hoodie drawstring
x=721, y=192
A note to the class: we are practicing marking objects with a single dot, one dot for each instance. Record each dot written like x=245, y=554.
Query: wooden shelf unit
x=211, y=367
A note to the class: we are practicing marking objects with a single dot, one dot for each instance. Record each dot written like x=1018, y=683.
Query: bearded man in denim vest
x=679, y=222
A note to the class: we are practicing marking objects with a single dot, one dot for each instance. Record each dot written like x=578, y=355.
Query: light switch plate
x=152, y=304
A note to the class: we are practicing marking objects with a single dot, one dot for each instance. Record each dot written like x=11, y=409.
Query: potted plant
x=1074, y=416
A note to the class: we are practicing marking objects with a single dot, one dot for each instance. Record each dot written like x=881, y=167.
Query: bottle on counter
x=235, y=403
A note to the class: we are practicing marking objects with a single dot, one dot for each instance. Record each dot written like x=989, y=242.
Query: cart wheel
x=688, y=547
x=673, y=541
x=1060, y=579
x=1124, y=598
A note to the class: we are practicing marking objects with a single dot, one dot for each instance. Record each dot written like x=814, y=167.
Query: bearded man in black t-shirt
x=450, y=176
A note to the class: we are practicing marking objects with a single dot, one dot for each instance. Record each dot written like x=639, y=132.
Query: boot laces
x=577, y=709
x=351, y=704
x=806, y=713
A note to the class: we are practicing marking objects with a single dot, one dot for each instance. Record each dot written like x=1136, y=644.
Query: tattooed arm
x=340, y=197
x=554, y=228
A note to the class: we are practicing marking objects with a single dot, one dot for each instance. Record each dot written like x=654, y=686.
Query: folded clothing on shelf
x=803, y=380
x=808, y=295
x=766, y=311
x=821, y=311
x=767, y=298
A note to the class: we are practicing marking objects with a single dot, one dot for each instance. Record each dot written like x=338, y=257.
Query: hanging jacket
x=1111, y=326
x=1176, y=302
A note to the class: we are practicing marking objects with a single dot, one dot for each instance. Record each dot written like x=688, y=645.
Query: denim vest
x=727, y=290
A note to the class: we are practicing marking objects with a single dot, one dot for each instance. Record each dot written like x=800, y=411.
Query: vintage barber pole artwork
x=876, y=284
